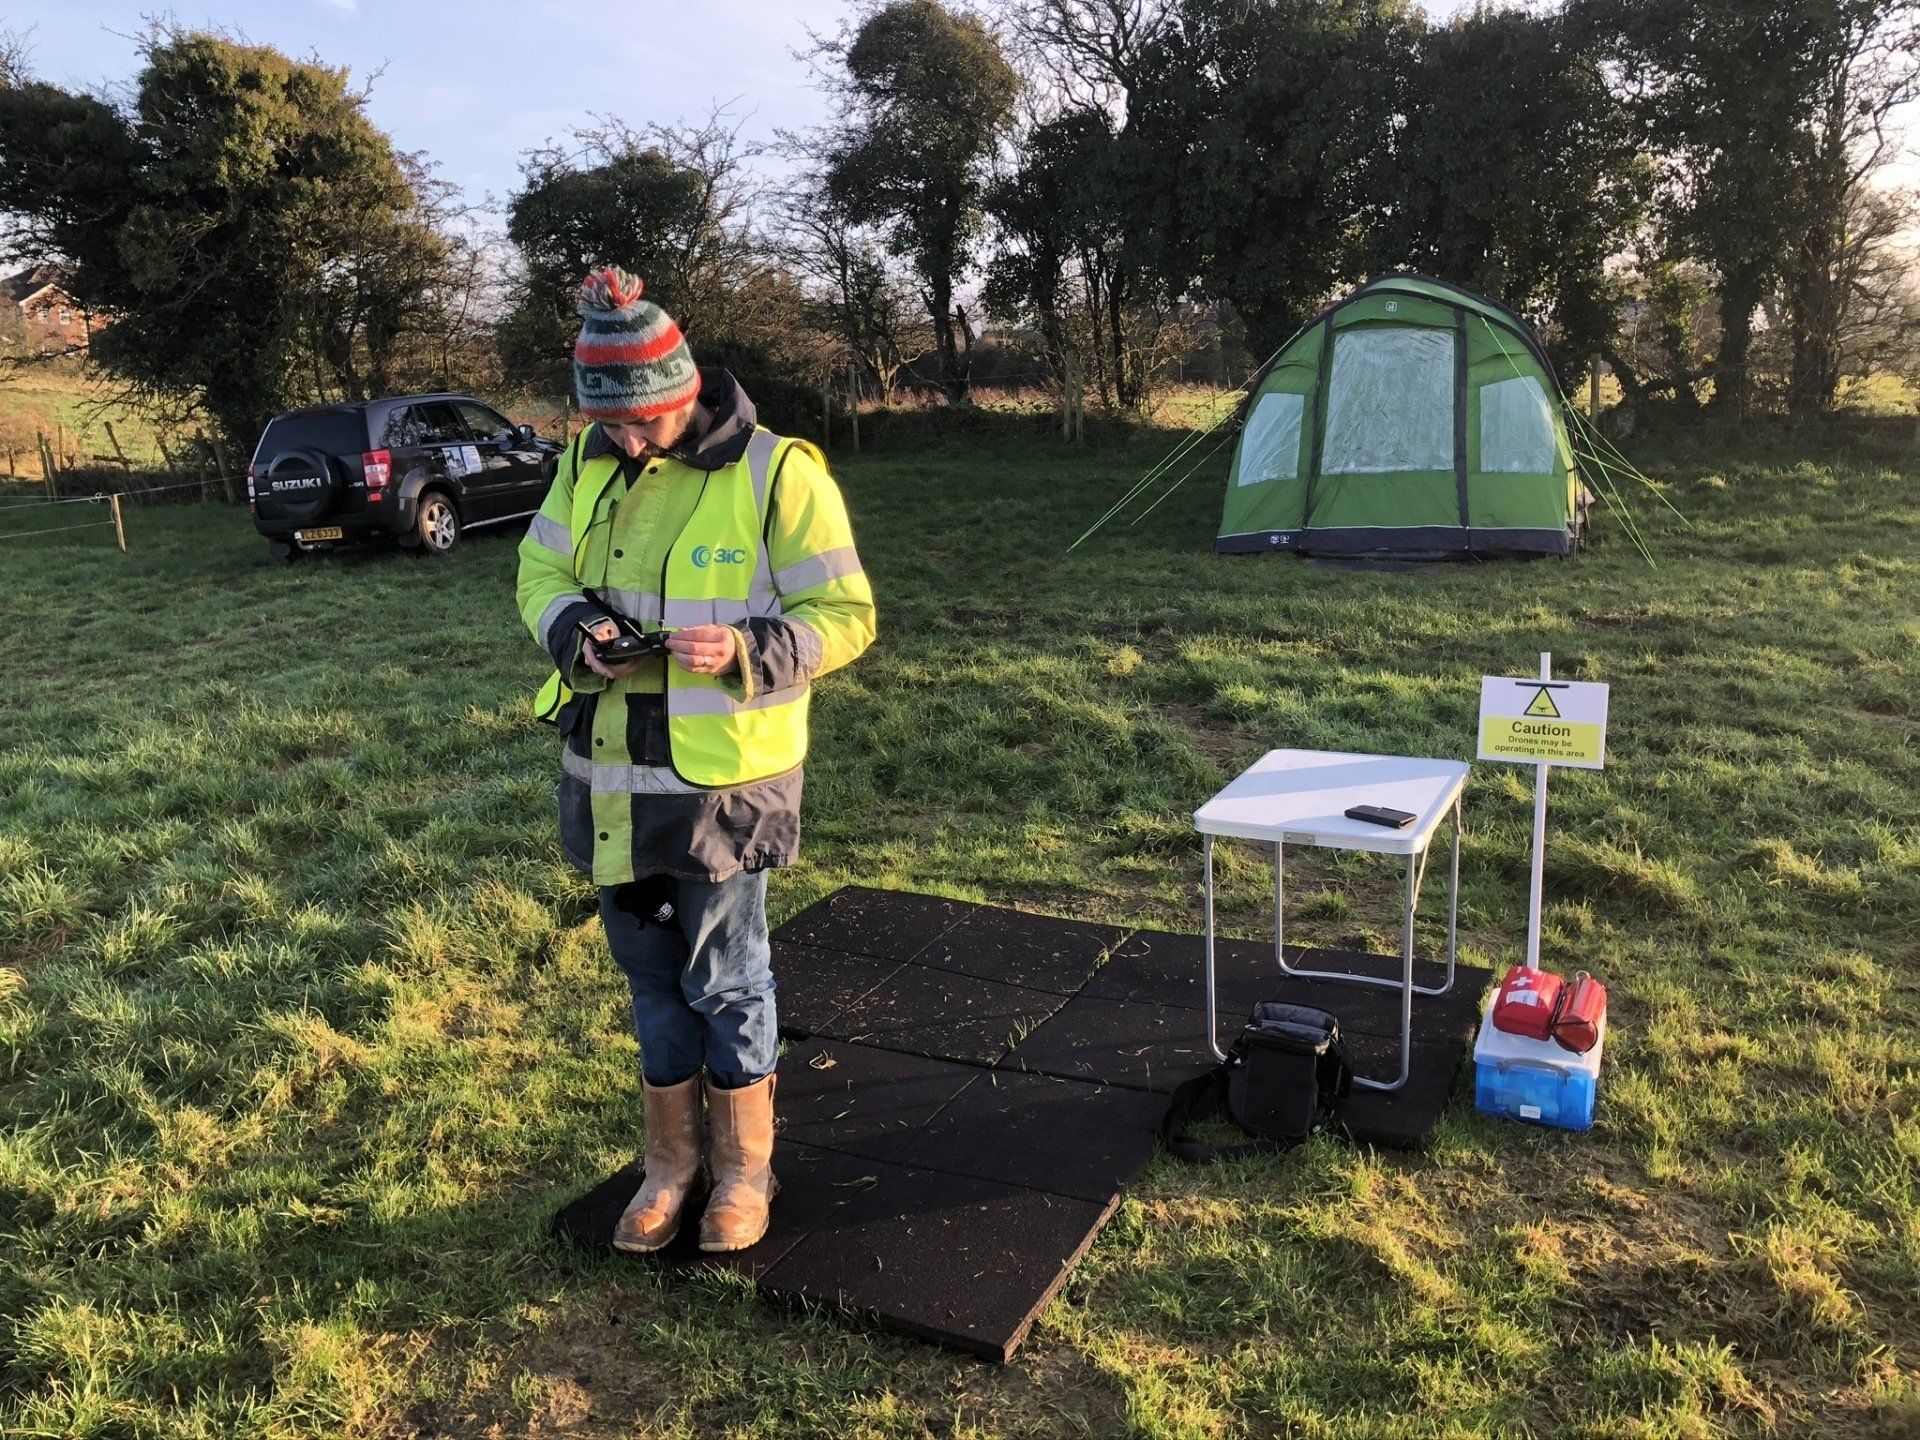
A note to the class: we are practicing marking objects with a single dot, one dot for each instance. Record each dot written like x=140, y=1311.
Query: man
x=682, y=774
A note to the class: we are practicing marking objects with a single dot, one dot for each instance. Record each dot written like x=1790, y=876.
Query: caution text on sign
x=1553, y=722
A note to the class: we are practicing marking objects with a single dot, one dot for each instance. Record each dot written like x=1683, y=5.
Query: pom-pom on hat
x=630, y=362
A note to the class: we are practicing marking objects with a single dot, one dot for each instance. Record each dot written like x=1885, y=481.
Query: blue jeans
x=702, y=983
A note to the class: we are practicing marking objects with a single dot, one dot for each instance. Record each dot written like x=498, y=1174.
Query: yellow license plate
x=325, y=532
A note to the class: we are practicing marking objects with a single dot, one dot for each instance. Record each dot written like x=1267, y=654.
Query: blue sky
x=473, y=85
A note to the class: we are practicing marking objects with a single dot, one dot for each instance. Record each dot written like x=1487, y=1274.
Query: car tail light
x=377, y=467
x=251, y=503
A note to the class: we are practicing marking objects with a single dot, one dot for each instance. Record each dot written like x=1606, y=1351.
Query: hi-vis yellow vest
x=717, y=573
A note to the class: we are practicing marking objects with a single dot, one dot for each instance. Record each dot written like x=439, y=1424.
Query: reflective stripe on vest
x=552, y=535
x=626, y=779
x=552, y=613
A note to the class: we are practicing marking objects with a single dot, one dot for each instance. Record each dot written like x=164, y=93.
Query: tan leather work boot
x=672, y=1161
x=740, y=1154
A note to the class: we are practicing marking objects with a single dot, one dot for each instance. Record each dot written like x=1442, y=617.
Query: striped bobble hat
x=630, y=362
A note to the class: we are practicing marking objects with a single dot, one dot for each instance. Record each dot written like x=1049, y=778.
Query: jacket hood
x=720, y=444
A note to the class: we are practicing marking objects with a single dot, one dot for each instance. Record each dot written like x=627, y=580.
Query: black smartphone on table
x=1382, y=815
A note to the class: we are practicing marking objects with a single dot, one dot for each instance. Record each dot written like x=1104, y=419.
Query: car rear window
x=332, y=432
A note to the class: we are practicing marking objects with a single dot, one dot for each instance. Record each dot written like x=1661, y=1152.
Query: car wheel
x=437, y=525
x=284, y=551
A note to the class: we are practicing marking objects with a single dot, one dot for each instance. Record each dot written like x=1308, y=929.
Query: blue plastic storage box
x=1538, y=1081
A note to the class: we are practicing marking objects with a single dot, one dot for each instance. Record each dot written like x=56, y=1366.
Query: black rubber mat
x=1153, y=967
x=967, y=1262
x=959, y=1125
x=1402, y=1119
x=1375, y=1010
x=1114, y=1042
x=588, y=1220
x=807, y=1199
x=862, y=1100
x=1037, y=951
x=936, y=1012
x=886, y=924
x=1064, y=1136
x=814, y=985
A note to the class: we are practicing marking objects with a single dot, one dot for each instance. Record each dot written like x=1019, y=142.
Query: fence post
x=1073, y=419
x=853, y=405
x=826, y=408
x=1593, y=390
x=166, y=459
x=49, y=472
x=566, y=420
x=207, y=457
x=125, y=464
x=220, y=458
x=119, y=530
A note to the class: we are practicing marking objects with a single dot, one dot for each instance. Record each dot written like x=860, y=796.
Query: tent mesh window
x=1516, y=428
x=1271, y=448
x=1390, y=402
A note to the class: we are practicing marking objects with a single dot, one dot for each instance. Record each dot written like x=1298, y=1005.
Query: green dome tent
x=1411, y=419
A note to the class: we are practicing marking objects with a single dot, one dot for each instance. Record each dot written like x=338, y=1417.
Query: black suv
x=418, y=468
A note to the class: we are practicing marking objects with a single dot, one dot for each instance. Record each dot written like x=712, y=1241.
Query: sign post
x=1548, y=722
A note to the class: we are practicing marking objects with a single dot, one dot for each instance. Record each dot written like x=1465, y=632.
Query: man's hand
x=705, y=649
x=607, y=630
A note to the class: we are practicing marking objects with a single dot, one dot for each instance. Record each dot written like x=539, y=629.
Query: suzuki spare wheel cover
x=298, y=487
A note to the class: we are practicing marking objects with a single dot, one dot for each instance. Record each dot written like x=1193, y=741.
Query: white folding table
x=1299, y=797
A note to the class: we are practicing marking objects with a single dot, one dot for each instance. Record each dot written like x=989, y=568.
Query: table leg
x=1346, y=977
x=1213, y=1020
x=1413, y=889
x=1453, y=899
x=1279, y=886
x=1406, y=988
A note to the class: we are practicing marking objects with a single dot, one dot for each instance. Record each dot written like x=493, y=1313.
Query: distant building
x=52, y=320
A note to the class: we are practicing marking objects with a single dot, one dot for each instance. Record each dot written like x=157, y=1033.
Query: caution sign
x=1543, y=722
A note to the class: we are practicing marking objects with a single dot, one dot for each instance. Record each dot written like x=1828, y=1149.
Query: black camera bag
x=1286, y=1068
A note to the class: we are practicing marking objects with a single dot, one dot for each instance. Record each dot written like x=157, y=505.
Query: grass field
x=305, y=1027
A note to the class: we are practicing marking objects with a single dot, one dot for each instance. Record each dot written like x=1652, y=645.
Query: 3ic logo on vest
x=703, y=557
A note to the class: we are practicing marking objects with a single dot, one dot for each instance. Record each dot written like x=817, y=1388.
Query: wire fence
x=15, y=508
x=97, y=496
x=56, y=529
x=136, y=496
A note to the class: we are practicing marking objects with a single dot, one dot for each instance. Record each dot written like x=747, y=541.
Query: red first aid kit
x=1582, y=1013
x=1527, y=1001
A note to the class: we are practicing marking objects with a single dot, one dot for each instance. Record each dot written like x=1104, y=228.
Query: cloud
x=344, y=7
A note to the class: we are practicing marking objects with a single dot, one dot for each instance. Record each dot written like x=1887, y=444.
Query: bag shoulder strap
x=1197, y=1099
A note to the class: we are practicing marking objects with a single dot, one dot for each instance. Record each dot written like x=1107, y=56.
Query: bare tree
x=1837, y=272
x=870, y=307
x=1870, y=312
x=15, y=55
x=1088, y=52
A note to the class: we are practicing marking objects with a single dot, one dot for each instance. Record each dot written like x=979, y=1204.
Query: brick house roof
x=28, y=283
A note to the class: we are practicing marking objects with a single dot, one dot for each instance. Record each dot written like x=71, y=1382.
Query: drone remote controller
x=628, y=645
